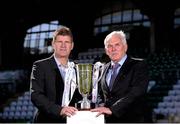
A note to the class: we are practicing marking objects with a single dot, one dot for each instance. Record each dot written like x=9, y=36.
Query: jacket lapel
x=122, y=73
x=106, y=87
x=59, y=83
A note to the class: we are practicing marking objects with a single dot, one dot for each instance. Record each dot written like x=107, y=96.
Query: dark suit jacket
x=47, y=88
x=126, y=99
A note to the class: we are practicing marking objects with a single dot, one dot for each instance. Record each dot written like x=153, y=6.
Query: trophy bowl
x=86, y=83
x=84, y=79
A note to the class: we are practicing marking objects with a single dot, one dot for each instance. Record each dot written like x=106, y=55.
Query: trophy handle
x=98, y=69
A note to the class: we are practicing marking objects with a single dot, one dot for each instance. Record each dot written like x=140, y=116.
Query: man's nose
x=113, y=48
x=63, y=44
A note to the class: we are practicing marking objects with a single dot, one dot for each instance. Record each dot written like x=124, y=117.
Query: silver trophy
x=88, y=76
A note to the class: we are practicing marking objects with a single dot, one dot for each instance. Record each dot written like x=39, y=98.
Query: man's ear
x=106, y=51
x=126, y=47
x=52, y=44
x=72, y=45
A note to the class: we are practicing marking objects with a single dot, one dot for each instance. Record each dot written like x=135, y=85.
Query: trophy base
x=82, y=107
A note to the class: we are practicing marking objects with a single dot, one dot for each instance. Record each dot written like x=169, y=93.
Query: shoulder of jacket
x=42, y=60
x=137, y=59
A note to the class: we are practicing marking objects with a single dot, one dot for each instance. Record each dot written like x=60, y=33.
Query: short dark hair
x=62, y=31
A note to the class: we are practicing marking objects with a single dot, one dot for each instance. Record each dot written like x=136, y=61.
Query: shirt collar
x=121, y=61
x=59, y=64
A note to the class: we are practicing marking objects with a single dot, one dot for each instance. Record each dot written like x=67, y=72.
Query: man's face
x=115, y=48
x=62, y=46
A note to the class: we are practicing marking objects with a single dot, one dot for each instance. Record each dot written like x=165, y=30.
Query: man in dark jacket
x=53, y=81
x=124, y=83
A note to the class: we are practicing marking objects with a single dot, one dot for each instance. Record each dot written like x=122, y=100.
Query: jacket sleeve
x=38, y=93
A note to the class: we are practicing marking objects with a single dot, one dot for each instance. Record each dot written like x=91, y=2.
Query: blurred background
x=152, y=30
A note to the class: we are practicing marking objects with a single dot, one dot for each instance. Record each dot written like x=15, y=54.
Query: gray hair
x=120, y=34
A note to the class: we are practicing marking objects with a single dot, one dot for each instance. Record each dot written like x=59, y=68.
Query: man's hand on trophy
x=102, y=110
x=68, y=111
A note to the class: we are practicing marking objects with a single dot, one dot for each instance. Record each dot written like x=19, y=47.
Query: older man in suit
x=124, y=83
x=53, y=81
